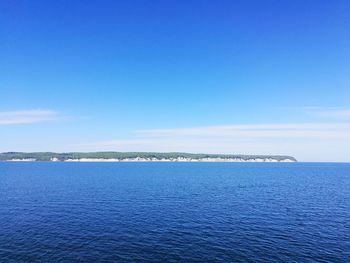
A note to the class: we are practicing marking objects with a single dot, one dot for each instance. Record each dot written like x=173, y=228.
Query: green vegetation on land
x=47, y=156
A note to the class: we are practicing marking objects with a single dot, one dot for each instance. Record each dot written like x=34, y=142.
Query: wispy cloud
x=329, y=112
x=305, y=130
x=345, y=113
x=27, y=116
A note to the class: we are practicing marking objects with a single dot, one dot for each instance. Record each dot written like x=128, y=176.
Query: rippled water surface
x=174, y=212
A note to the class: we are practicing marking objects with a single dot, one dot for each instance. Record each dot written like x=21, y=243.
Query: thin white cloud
x=307, y=130
x=27, y=116
x=335, y=113
x=329, y=112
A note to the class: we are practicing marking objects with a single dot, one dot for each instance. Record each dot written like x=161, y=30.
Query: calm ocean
x=174, y=212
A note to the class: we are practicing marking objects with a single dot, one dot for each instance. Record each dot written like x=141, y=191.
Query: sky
x=238, y=77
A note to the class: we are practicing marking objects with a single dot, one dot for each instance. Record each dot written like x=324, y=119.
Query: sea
x=174, y=212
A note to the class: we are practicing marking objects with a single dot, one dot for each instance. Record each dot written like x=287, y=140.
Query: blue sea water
x=174, y=212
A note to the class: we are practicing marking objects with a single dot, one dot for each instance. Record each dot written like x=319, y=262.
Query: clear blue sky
x=254, y=77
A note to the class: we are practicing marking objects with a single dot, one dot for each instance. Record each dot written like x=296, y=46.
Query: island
x=139, y=157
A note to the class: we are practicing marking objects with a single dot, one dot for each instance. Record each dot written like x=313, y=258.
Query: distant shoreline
x=138, y=157
x=87, y=160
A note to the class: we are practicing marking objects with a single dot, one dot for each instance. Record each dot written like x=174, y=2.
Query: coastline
x=211, y=160
x=138, y=157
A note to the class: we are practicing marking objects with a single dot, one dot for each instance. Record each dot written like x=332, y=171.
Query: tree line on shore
x=48, y=156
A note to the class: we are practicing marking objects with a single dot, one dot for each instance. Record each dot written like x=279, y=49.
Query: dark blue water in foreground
x=174, y=212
